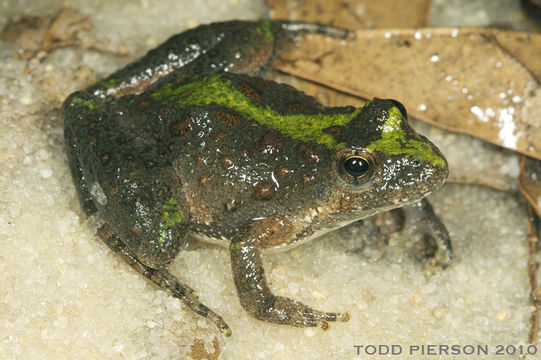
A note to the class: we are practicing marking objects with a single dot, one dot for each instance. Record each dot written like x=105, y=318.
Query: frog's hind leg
x=163, y=279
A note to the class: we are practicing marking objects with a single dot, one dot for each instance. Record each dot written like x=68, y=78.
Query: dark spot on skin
x=178, y=81
x=263, y=190
x=222, y=135
x=307, y=179
x=283, y=171
x=226, y=162
x=333, y=130
x=231, y=204
x=106, y=232
x=143, y=105
x=228, y=117
x=257, y=56
x=271, y=231
x=180, y=127
x=309, y=154
x=268, y=143
x=199, y=209
x=104, y=158
x=200, y=159
x=245, y=154
x=250, y=92
x=302, y=108
x=204, y=180
x=373, y=138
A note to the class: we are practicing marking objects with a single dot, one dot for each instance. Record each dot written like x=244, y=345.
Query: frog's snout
x=434, y=168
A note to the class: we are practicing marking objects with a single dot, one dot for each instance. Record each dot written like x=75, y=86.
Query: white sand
x=64, y=295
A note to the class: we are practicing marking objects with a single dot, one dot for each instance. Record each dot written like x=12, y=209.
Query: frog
x=192, y=141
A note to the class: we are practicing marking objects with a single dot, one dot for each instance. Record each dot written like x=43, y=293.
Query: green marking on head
x=265, y=30
x=89, y=104
x=393, y=141
x=215, y=89
x=172, y=215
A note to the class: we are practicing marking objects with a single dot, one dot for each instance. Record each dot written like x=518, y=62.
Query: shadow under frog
x=188, y=140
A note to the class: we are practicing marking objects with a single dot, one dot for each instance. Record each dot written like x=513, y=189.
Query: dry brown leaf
x=355, y=14
x=199, y=350
x=461, y=80
x=529, y=182
x=44, y=33
x=64, y=29
x=26, y=31
x=39, y=35
x=524, y=47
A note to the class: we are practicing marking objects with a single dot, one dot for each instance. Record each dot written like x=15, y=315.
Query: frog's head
x=383, y=163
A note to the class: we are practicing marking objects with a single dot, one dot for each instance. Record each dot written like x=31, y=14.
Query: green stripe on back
x=215, y=89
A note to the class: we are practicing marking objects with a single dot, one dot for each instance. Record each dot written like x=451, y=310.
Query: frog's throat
x=305, y=127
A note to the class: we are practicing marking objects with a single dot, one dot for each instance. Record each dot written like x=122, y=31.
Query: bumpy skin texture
x=187, y=140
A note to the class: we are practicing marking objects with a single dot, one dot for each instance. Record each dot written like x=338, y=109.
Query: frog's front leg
x=422, y=214
x=252, y=288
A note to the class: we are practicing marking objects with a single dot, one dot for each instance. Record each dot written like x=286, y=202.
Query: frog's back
x=234, y=148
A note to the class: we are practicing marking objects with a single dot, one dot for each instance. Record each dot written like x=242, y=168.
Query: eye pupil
x=356, y=166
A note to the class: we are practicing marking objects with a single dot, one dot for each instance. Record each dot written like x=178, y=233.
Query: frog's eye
x=400, y=107
x=356, y=166
x=355, y=169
